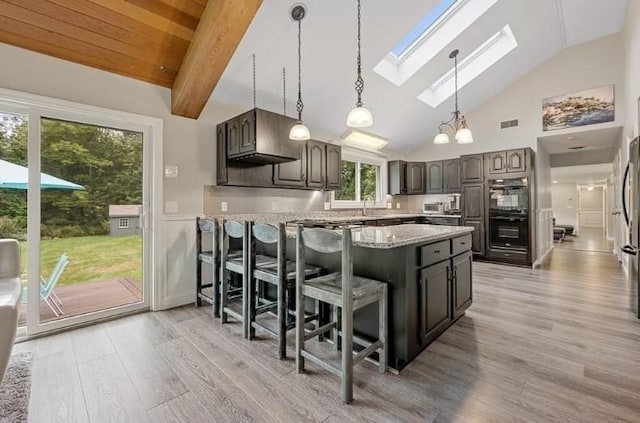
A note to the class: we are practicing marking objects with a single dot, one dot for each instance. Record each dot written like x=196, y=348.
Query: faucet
x=364, y=204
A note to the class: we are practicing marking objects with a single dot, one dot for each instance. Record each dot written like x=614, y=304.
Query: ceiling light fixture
x=457, y=123
x=299, y=132
x=359, y=116
x=363, y=140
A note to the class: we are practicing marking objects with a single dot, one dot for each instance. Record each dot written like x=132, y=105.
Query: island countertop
x=399, y=236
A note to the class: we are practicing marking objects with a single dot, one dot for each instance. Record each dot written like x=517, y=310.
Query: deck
x=88, y=297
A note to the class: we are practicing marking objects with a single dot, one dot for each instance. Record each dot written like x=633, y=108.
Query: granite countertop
x=275, y=218
x=399, y=236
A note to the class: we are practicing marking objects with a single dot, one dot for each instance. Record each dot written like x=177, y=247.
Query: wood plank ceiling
x=142, y=39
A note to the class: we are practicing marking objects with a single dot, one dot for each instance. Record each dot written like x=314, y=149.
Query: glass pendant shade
x=441, y=138
x=300, y=132
x=359, y=117
x=464, y=136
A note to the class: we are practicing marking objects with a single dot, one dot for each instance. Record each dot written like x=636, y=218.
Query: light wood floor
x=589, y=239
x=552, y=344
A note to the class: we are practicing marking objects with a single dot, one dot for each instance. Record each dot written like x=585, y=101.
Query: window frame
x=367, y=158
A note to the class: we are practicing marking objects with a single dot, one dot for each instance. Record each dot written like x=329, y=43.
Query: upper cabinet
x=415, y=178
x=451, y=171
x=472, y=168
x=221, y=154
x=435, y=177
x=334, y=167
x=320, y=167
x=261, y=137
x=397, y=177
x=316, y=164
x=292, y=174
x=511, y=161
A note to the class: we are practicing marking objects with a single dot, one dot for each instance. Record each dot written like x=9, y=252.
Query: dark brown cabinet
x=477, y=236
x=435, y=177
x=451, y=171
x=473, y=201
x=334, y=167
x=497, y=162
x=516, y=161
x=397, y=177
x=222, y=176
x=316, y=164
x=415, y=178
x=292, y=174
x=462, y=284
x=435, y=300
x=233, y=137
x=472, y=168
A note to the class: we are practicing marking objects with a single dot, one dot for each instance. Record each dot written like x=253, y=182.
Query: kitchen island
x=428, y=271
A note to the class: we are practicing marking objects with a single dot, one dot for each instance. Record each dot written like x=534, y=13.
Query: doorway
x=83, y=210
x=592, y=222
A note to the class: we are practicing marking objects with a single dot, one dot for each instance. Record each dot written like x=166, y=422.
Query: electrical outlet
x=223, y=206
x=389, y=205
x=171, y=207
x=171, y=171
x=397, y=205
x=327, y=205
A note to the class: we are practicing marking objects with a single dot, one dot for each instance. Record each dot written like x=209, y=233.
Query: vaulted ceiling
x=541, y=27
x=181, y=44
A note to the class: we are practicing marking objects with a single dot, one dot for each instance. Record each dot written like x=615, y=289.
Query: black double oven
x=509, y=214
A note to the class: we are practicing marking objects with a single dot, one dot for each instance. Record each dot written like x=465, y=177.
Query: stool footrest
x=206, y=298
x=233, y=314
x=320, y=362
x=361, y=355
x=318, y=331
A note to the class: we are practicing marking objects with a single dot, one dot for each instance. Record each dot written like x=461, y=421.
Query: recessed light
x=555, y=182
x=570, y=137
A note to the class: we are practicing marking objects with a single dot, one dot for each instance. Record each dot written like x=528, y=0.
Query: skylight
x=423, y=26
x=481, y=59
x=436, y=31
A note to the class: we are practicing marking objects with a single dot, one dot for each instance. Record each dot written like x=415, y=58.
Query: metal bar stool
x=278, y=272
x=341, y=290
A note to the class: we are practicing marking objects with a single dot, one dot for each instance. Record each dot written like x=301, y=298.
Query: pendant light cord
x=284, y=91
x=299, y=103
x=455, y=72
x=253, y=58
x=359, y=80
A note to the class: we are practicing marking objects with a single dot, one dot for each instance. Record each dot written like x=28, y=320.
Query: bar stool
x=278, y=272
x=232, y=262
x=207, y=229
x=341, y=290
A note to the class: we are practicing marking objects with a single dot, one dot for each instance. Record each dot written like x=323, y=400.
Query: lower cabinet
x=477, y=236
x=445, y=294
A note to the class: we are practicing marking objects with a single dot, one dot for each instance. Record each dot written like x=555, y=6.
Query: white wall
x=564, y=202
x=632, y=68
x=588, y=65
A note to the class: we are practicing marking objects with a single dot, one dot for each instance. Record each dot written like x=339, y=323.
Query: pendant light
x=359, y=116
x=457, y=124
x=299, y=132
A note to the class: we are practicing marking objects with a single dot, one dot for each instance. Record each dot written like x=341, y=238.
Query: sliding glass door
x=80, y=208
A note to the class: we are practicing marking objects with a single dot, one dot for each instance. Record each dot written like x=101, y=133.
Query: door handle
x=628, y=249
x=624, y=189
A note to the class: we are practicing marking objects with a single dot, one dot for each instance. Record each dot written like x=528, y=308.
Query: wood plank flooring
x=551, y=344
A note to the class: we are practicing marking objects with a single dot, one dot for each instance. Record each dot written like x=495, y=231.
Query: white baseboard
x=538, y=262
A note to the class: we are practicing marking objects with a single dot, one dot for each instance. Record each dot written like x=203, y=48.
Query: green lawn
x=91, y=258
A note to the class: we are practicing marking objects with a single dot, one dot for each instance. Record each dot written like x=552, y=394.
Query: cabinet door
x=415, y=178
x=435, y=299
x=473, y=201
x=516, y=161
x=334, y=166
x=397, y=177
x=472, y=168
x=477, y=236
x=497, y=162
x=462, y=288
x=451, y=176
x=292, y=174
x=316, y=164
x=248, y=132
x=233, y=137
x=434, y=178
x=221, y=154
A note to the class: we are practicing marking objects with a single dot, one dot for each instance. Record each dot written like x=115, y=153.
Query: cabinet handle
x=462, y=243
x=436, y=252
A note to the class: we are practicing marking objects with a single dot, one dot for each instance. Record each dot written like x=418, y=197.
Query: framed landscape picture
x=581, y=108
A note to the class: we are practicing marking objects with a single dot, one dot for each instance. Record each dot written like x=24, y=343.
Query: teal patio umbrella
x=13, y=176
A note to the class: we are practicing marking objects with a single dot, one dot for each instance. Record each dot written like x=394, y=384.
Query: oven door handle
x=509, y=219
x=624, y=191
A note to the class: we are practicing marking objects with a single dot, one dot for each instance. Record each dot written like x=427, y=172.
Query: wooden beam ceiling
x=156, y=41
x=221, y=27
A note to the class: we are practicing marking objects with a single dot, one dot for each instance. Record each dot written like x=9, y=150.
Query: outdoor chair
x=47, y=287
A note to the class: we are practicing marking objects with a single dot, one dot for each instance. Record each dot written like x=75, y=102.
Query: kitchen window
x=363, y=177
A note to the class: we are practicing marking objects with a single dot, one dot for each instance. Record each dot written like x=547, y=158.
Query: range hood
x=260, y=137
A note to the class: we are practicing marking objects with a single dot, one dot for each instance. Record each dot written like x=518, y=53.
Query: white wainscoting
x=544, y=234
x=178, y=286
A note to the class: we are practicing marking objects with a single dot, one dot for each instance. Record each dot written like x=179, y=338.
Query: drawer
x=509, y=256
x=433, y=253
x=460, y=244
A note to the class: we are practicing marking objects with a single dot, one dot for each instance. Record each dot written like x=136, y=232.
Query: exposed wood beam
x=222, y=26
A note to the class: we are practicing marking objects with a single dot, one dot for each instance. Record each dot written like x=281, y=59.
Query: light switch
x=223, y=206
x=327, y=205
x=171, y=207
x=389, y=205
x=397, y=205
x=171, y=171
